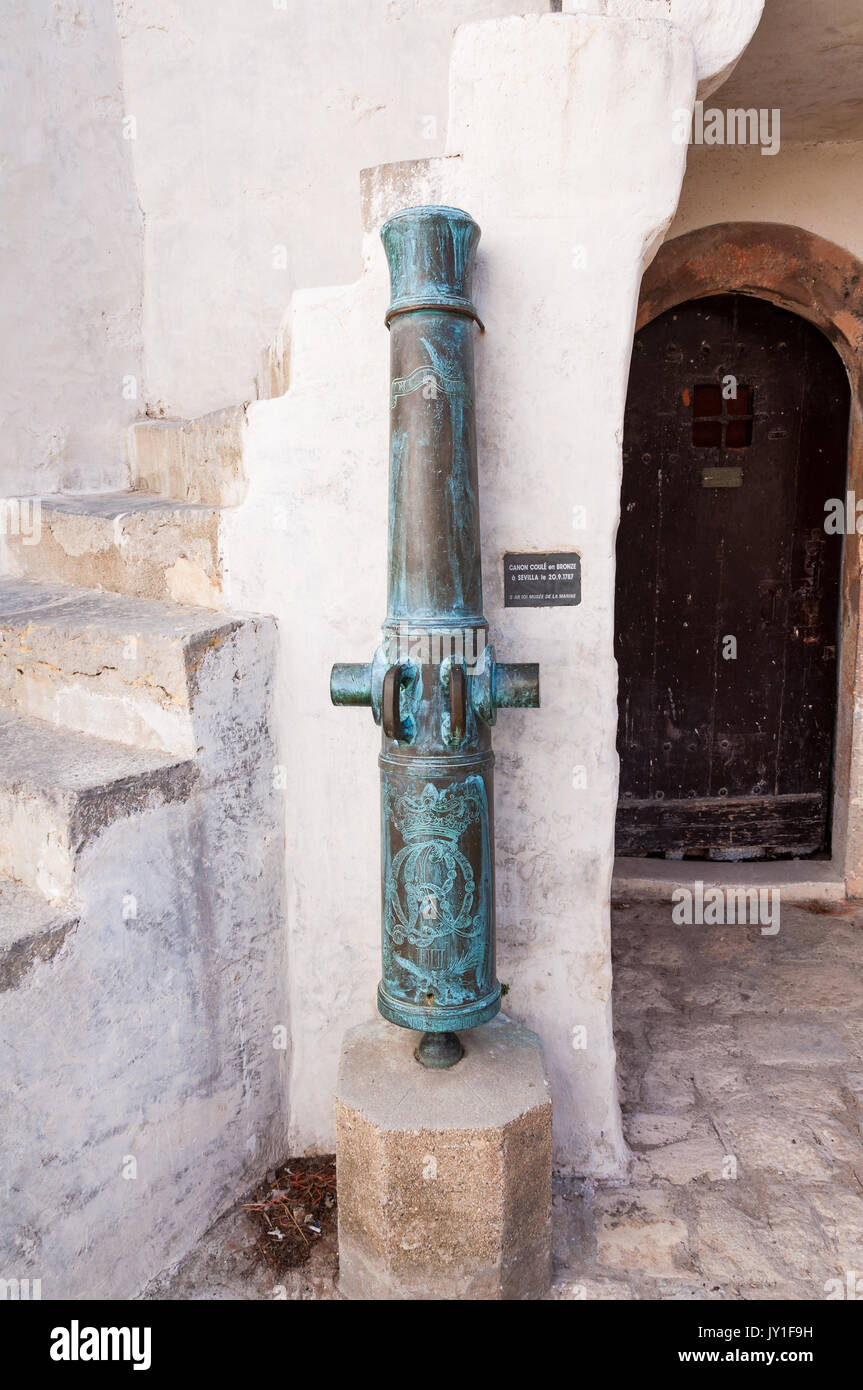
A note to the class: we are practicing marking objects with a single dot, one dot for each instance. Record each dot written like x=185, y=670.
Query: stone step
x=59, y=789
x=798, y=880
x=198, y=460
x=105, y=664
x=132, y=543
x=32, y=931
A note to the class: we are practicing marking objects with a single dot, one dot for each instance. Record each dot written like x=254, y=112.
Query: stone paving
x=741, y=1072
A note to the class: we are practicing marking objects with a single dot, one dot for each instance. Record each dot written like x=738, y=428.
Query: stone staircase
x=131, y=543
x=141, y=922
x=103, y=663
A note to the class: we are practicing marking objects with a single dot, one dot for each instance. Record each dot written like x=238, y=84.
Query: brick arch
x=787, y=265
x=822, y=282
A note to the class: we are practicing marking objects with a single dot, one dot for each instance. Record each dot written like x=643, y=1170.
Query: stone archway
x=821, y=282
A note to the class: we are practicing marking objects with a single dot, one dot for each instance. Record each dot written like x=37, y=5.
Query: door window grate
x=718, y=423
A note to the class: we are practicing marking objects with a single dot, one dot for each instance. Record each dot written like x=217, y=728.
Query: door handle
x=768, y=604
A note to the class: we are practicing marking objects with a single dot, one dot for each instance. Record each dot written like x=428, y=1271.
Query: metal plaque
x=541, y=580
x=722, y=477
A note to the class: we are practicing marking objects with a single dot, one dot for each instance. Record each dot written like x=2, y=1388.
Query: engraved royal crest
x=435, y=912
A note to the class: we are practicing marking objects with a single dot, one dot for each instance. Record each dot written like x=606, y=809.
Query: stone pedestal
x=444, y=1177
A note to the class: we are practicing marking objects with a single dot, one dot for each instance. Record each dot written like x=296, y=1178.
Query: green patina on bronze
x=433, y=685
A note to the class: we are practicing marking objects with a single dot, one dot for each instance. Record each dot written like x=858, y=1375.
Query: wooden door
x=727, y=583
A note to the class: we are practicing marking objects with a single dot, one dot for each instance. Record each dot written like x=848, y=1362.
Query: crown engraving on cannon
x=433, y=685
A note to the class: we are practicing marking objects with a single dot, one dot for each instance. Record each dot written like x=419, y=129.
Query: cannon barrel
x=433, y=685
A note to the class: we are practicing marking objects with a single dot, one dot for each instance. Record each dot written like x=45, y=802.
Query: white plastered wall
x=253, y=119
x=171, y=171
x=249, y=127
x=805, y=185
x=559, y=144
x=72, y=239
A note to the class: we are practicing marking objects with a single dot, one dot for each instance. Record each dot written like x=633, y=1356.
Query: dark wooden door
x=727, y=583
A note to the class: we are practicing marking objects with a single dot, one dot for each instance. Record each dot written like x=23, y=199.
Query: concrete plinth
x=444, y=1177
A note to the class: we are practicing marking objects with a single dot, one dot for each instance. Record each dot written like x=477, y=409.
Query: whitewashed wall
x=251, y=122
x=71, y=257
x=560, y=145
x=170, y=256
x=813, y=186
x=254, y=118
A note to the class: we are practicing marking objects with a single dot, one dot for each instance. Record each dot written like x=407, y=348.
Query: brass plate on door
x=722, y=477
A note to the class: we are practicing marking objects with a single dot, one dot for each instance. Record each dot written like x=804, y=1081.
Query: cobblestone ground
x=741, y=1072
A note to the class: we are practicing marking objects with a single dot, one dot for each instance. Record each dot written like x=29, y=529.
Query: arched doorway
x=728, y=587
